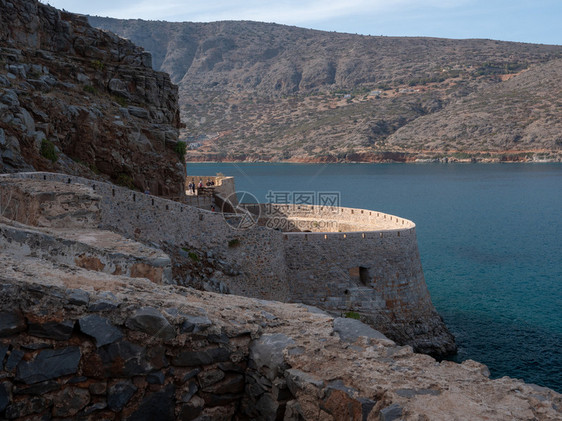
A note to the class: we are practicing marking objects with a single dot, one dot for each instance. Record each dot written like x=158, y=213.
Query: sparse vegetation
x=180, y=149
x=98, y=65
x=122, y=101
x=235, y=242
x=327, y=108
x=90, y=89
x=48, y=150
x=125, y=180
x=352, y=315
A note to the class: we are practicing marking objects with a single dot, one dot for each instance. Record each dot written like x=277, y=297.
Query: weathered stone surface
x=190, y=374
x=188, y=391
x=201, y=357
x=212, y=400
x=98, y=388
x=293, y=411
x=11, y=322
x=350, y=330
x=3, y=351
x=4, y=397
x=391, y=413
x=119, y=395
x=298, y=380
x=191, y=410
x=328, y=378
x=209, y=377
x=156, y=355
x=231, y=384
x=59, y=331
x=268, y=407
x=13, y=360
x=78, y=297
x=267, y=353
x=38, y=389
x=341, y=404
x=280, y=391
x=106, y=301
x=158, y=405
x=24, y=408
x=156, y=378
x=138, y=112
x=49, y=364
x=124, y=359
x=100, y=329
x=152, y=322
x=195, y=324
x=95, y=407
x=69, y=401
x=409, y=393
x=35, y=346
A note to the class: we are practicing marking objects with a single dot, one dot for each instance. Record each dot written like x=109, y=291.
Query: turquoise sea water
x=490, y=239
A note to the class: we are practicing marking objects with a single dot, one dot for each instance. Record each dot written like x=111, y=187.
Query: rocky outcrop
x=82, y=101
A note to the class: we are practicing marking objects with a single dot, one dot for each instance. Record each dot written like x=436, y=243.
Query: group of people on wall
x=192, y=187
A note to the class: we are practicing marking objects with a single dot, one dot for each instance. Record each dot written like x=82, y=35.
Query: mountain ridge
x=269, y=92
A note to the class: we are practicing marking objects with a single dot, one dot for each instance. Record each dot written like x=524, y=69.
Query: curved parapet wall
x=308, y=218
x=368, y=264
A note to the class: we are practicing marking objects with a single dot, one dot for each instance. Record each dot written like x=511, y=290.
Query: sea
x=490, y=240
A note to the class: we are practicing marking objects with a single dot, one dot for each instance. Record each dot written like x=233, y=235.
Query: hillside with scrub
x=259, y=91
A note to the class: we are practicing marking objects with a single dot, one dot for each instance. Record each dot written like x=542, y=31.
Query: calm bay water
x=490, y=239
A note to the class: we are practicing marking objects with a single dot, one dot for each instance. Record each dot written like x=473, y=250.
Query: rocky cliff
x=82, y=101
x=259, y=91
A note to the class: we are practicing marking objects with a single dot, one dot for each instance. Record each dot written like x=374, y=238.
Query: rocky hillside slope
x=257, y=91
x=78, y=100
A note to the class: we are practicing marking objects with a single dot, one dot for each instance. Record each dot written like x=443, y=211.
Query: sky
x=535, y=21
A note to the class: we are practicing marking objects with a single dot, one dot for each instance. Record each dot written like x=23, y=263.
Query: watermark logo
x=305, y=200
x=288, y=211
x=241, y=210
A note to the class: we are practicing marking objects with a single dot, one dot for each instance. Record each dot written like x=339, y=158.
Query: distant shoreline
x=417, y=161
x=406, y=157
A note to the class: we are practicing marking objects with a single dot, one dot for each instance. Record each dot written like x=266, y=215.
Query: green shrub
x=180, y=149
x=352, y=315
x=193, y=256
x=125, y=180
x=98, y=65
x=90, y=89
x=122, y=101
x=48, y=150
x=235, y=242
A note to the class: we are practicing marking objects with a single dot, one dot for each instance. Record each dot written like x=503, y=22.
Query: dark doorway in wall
x=360, y=274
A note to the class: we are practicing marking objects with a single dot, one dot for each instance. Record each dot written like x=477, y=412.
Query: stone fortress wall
x=373, y=268
x=361, y=261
